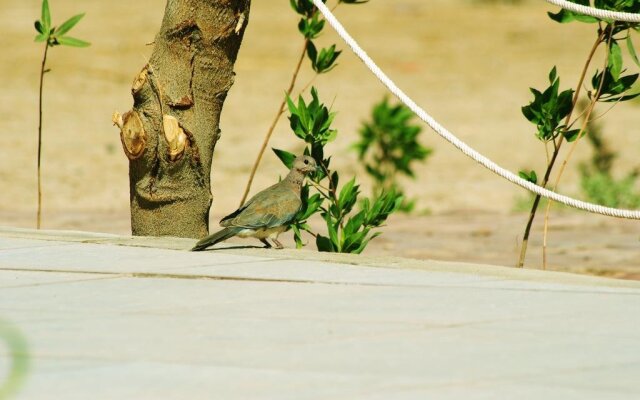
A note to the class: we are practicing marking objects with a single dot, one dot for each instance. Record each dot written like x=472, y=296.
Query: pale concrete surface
x=108, y=317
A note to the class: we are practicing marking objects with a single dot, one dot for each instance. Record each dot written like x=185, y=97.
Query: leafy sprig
x=55, y=36
x=549, y=108
x=310, y=26
x=52, y=36
x=350, y=222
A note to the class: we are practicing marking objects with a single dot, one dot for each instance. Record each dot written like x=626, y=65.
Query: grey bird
x=268, y=213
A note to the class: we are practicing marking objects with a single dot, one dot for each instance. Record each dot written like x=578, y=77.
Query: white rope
x=440, y=130
x=596, y=12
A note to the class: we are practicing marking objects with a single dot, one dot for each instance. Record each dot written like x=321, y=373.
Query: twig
x=274, y=123
x=585, y=122
x=42, y=72
x=615, y=103
x=306, y=86
x=318, y=187
x=536, y=201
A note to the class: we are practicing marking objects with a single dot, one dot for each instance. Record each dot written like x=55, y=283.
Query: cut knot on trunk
x=132, y=134
x=175, y=136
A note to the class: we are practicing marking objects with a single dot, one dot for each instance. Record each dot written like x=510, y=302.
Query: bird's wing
x=272, y=207
x=228, y=220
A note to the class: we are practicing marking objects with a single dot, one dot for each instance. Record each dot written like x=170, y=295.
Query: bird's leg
x=267, y=245
x=279, y=245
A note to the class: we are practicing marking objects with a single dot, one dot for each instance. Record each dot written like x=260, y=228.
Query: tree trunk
x=170, y=134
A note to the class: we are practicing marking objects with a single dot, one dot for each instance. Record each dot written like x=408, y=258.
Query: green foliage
x=311, y=122
x=350, y=222
x=325, y=61
x=629, y=6
x=564, y=16
x=596, y=177
x=548, y=108
x=16, y=358
x=613, y=87
x=604, y=189
x=530, y=176
x=352, y=234
x=54, y=36
x=304, y=7
x=632, y=50
x=310, y=26
x=389, y=147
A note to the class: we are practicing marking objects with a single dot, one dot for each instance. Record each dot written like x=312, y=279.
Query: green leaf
x=354, y=241
x=304, y=7
x=312, y=53
x=324, y=244
x=297, y=236
x=348, y=195
x=621, y=98
x=325, y=61
x=39, y=27
x=615, y=60
x=311, y=27
x=365, y=242
x=332, y=228
x=632, y=50
x=73, y=42
x=565, y=103
x=529, y=114
x=572, y=135
x=311, y=207
x=286, y=157
x=564, y=16
x=41, y=37
x=529, y=176
x=553, y=74
x=45, y=16
x=68, y=24
x=291, y=105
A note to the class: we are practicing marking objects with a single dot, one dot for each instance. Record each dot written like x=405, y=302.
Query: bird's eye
x=306, y=161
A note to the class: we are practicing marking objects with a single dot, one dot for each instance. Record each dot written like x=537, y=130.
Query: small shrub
x=389, y=147
x=350, y=223
x=596, y=177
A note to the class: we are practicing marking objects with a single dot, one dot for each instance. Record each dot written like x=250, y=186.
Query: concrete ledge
x=170, y=243
x=111, y=317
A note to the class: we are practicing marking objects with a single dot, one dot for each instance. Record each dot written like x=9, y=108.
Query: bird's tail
x=214, y=238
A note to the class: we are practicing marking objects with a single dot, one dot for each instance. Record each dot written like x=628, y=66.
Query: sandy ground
x=469, y=63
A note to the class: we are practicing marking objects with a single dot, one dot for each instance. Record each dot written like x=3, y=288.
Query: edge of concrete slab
x=182, y=244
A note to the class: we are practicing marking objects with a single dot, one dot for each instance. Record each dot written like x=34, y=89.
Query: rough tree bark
x=170, y=134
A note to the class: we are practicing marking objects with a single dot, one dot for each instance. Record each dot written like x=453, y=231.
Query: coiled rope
x=451, y=138
x=596, y=12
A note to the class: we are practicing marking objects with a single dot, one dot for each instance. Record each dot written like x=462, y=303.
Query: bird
x=268, y=213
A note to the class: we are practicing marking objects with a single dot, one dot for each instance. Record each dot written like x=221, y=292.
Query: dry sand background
x=469, y=63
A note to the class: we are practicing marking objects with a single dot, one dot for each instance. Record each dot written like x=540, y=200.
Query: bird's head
x=305, y=164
